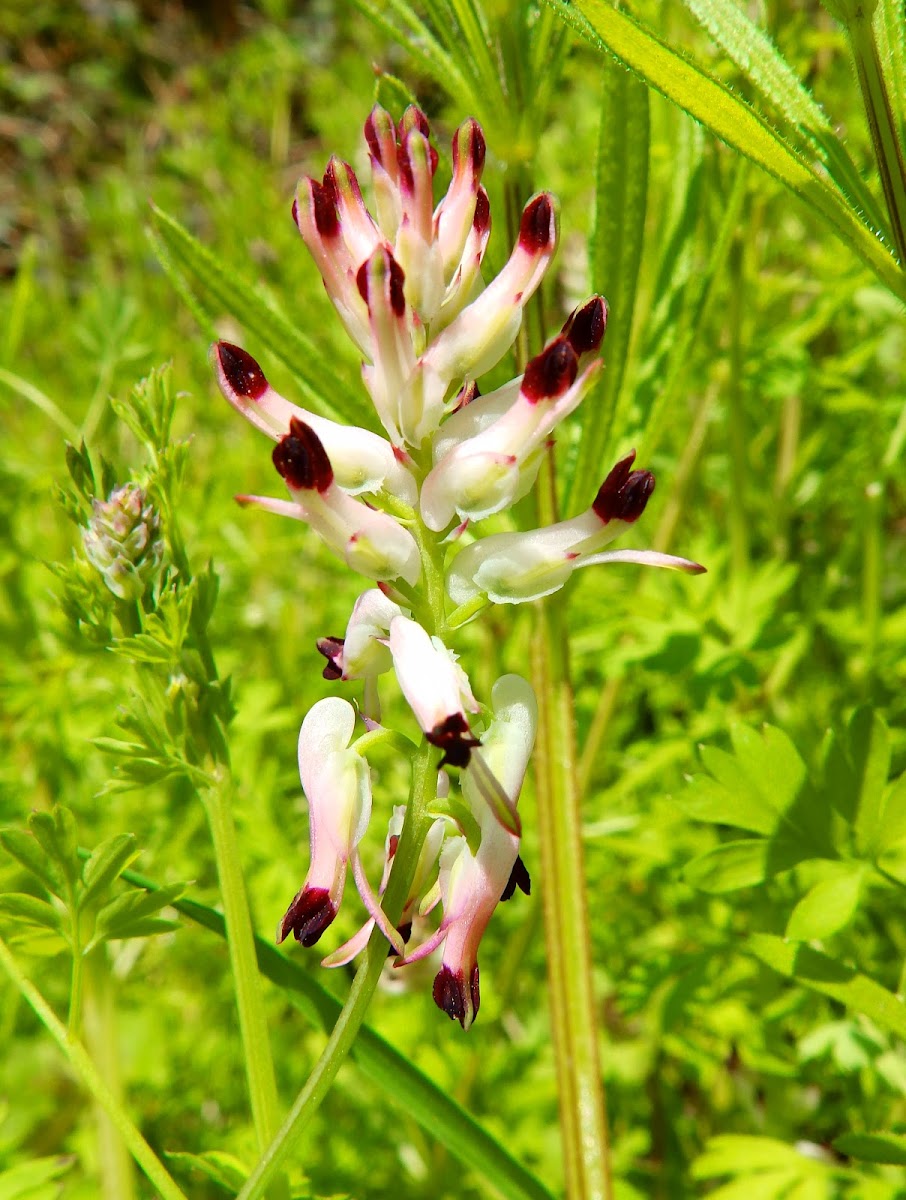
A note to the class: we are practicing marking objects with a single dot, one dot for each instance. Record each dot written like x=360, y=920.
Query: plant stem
x=882, y=125
x=343, y=1035
x=872, y=573
x=736, y=422
x=117, y=1176
x=75, y=983
x=259, y=1064
x=78, y=1058
x=582, y=1106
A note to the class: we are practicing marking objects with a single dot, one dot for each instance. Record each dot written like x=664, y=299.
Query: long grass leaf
x=733, y=121
x=410, y=30
x=616, y=250
x=440, y=1117
x=782, y=93
x=216, y=290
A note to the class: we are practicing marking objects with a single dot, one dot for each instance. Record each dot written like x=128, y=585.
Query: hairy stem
x=882, y=124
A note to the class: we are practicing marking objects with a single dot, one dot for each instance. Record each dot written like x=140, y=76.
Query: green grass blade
x=217, y=290
x=733, y=121
x=823, y=974
x=426, y=50
x=655, y=406
x=441, y=1117
x=616, y=250
x=758, y=58
x=781, y=92
x=890, y=30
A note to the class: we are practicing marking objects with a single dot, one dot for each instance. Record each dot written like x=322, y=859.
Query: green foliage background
x=762, y=381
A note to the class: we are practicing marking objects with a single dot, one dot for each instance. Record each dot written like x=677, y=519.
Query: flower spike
x=402, y=510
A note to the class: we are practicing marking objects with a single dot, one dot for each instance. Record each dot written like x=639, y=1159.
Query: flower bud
x=122, y=541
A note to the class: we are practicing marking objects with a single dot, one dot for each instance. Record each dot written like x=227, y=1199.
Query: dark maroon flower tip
x=519, y=877
x=311, y=911
x=241, y=371
x=586, y=327
x=470, y=141
x=331, y=648
x=453, y=736
x=624, y=493
x=395, y=280
x=536, y=229
x=450, y=995
x=323, y=206
x=481, y=222
x=550, y=373
x=302, y=460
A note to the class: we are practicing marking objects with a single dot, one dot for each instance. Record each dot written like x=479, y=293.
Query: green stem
x=872, y=573
x=75, y=1053
x=115, y=1164
x=737, y=433
x=343, y=1035
x=882, y=125
x=75, y=983
x=583, y=1115
x=259, y=1064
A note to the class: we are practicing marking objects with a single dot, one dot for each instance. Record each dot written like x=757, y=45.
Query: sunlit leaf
x=823, y=974
x=828, y=907
x=19, y=906
x=107, y=861
x=874, y=1147
x=621, y=188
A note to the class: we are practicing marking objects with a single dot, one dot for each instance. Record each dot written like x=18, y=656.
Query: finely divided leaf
x=107, y=861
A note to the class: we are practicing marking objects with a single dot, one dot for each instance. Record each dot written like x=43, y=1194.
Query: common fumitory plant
x=404, y=511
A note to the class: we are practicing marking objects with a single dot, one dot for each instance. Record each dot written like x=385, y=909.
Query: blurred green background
x=776, y=376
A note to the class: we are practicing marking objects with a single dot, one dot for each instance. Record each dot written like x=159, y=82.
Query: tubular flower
x=511, y=568
x=471, y=882
x=372, y=542
x=406, y=281
x=362, y=461
x=436, y=689
x=337, y=783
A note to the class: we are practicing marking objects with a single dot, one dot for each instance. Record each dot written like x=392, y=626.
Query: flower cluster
x=401, y=510
x=122, y=540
